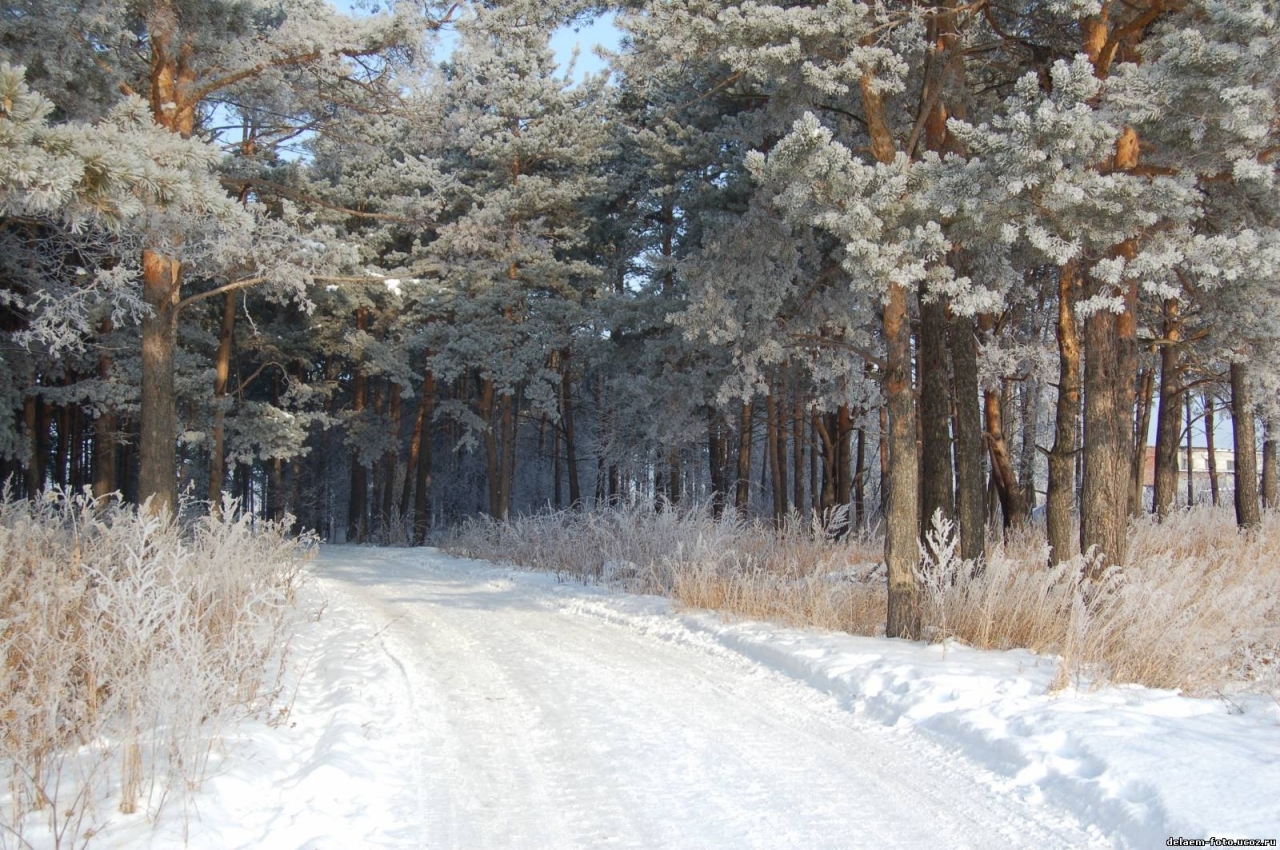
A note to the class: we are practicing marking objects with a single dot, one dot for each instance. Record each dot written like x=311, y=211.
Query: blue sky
x=585, y=37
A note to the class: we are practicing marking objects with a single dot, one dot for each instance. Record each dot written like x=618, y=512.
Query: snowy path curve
x=536, y=723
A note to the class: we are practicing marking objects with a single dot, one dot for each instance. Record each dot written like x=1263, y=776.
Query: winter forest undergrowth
x=927, y=320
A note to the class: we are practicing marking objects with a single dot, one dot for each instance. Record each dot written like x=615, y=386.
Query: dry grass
x=127, y=643
x=1197, y=608
x=797, y=575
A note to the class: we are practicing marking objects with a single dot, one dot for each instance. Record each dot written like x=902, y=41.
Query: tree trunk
x=62, y=447
x=422, y=467
x=858, y=512
x=275, y=501
x=718, y=457
x=390, y=461
x=1210, y=454
x=777, y=477
x=742, y=492
x=1060, y=495
x=493, y=461
x=936, y=490
x=158, y=415
x=815, y=475
x=844, y=437
x=222, y=373
x=970, y=492
x=1141, y=427
x=1110, y=343
x=507, y=408
x=1269, y=482
x=1248, y=513
x=1104, y=505
x=357, y=504
x=1168, y=424
x=1010, y=494
x=675, y=475
x=883, y=415
x=1029, y=416
x=570, y=444
x=104, y=434
x=1191, y=467
x=415, y=446
x=902, y=513
x=30, y=422
x=798, y=430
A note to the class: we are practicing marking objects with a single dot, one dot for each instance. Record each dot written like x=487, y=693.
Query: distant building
x=1224, y=460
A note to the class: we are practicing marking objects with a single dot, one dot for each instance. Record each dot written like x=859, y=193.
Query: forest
x=388, y=270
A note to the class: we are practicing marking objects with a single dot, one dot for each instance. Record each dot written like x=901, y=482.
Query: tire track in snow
x=546, y=728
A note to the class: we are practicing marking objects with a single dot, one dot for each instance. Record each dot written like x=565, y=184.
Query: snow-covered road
x=527, y=720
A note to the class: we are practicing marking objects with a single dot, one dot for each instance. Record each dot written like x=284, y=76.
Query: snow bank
x=1142, y=765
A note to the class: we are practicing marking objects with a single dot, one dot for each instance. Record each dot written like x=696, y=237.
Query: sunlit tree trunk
x=1060, y=497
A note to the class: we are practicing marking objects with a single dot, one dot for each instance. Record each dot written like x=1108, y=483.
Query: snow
x=448, y=703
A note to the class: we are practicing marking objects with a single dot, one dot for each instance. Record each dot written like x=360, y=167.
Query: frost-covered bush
x=128, y=642
x=1196, y=607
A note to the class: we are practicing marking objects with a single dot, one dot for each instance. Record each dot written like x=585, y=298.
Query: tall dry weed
x=127, y=644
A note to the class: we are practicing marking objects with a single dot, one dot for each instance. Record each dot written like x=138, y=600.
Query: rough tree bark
x=1248, y=512
x=1012, y=508
x=902, y=514
x=936, y=489
x=970, y=496
x=1061, y=491
x=1168, y=424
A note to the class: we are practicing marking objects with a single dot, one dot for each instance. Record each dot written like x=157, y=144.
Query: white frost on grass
x=328, y=772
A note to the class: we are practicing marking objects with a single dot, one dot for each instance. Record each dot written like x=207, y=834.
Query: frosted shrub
x=1197, y=607
x=128, y=645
